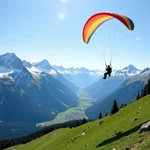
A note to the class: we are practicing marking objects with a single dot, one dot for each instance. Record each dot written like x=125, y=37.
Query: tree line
x=115, y=108
x=145, y=91
x=25, y=139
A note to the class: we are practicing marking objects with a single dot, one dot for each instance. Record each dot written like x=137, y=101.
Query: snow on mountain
x=45, y=66
x=96, y=72
x=10, y=60
x=145, y=72
x=53, y=72
x=127, y=71
x=12, y=66
x=4, y=75
x=6, y=70
x=75, y=71
x=36, y=73
x=82, y=70
x=79, y=76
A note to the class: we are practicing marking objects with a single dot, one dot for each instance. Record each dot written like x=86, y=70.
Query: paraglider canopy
x=97, y=19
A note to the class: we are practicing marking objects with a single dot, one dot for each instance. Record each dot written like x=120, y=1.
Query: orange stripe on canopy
x=96, y=20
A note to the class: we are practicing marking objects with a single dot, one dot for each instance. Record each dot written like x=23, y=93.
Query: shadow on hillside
x=118, y=136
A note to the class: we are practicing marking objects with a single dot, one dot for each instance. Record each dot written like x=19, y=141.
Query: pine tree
x=142, y=93
x=114, y=108
x=148, y=87
x=100, y=115
x=138, y=96
x=122, y=105
x=84, y=120
x=146, y=90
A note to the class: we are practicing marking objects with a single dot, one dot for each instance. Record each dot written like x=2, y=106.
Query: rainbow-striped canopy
x=97, y=19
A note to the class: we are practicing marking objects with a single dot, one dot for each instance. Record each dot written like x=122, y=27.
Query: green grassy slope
x=118, y=131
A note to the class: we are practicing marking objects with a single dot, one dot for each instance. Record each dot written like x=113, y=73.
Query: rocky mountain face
x=40, y=89
x=45, y=66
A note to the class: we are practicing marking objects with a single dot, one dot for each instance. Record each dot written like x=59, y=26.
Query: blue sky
x=52, y=29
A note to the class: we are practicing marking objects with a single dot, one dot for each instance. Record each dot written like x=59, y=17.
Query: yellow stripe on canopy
x=96, y=20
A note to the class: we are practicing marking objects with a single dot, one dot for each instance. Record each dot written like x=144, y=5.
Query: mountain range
x=31, y=90
x=81, y=77
x=37, y=92
x=84, y=77
x=53, y=87
x=102, y=88
x=44, y=66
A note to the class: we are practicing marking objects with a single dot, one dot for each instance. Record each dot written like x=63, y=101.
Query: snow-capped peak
x=45, y=66
x=146, y=72
x=75, y=71
x=128, y=71
x=10, y=60
x=13, y=67
x=34, y=71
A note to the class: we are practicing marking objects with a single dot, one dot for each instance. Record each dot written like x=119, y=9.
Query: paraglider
x=97, y=20
x=108, y=71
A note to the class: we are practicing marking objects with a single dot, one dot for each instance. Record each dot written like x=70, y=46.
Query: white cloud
x=137, y=39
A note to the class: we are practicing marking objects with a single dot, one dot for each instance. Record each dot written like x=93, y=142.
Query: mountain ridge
x=44, y=89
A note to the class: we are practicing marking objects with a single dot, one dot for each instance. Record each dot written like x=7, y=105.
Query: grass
x=118, y=131
x=145, y=144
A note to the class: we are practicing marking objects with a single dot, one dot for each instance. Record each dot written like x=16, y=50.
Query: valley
x=74, y=113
